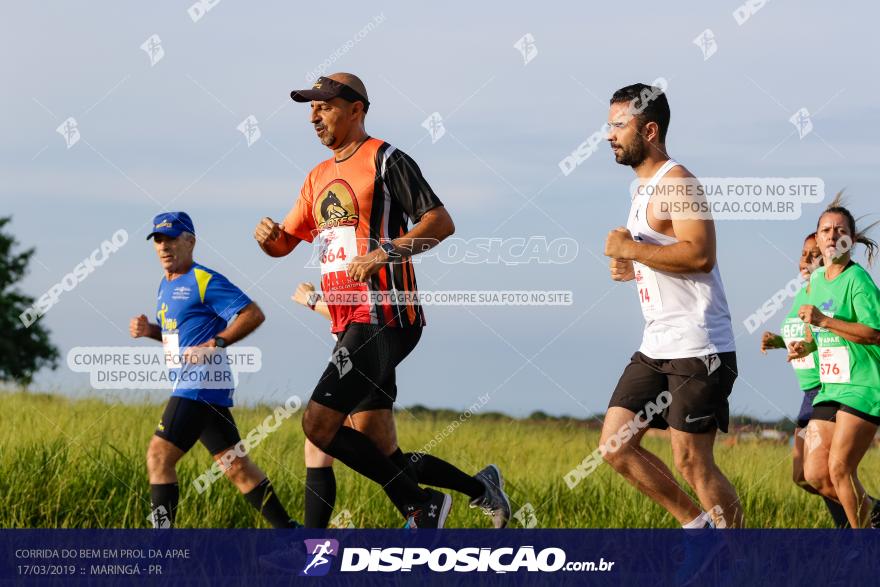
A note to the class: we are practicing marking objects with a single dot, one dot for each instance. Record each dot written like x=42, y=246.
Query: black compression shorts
x=360, y=375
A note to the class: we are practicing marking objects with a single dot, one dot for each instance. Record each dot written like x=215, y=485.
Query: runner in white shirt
x=684, y=371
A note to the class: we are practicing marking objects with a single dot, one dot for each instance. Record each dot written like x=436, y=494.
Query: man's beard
x=632, y=155
x=328, y=140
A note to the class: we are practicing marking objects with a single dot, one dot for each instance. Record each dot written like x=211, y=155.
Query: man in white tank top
x=681, y=376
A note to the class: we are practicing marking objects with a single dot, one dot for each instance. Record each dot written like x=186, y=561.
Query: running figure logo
x=321, y=553
x=159, y=517
x=527, y=48
x=153, y=48
x=802, y=122
x=712, y=363
x=69, y=129
x=342, y=360
x=250, y=128
x=434, y=125
x=707, y=44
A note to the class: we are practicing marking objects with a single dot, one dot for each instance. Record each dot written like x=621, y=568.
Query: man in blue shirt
x=194, y=307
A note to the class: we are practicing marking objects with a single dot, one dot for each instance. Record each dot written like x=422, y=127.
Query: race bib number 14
x=649, y=291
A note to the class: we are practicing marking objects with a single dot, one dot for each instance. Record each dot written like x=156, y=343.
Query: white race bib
x=171, y=348
x=338, y=248
x=808, y=362
x=834, y=364
x=649, y=291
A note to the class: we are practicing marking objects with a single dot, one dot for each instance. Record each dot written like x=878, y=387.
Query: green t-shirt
x=850, y=372
x=806, y=369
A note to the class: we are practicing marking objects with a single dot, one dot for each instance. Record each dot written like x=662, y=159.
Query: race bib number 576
x=834, y=365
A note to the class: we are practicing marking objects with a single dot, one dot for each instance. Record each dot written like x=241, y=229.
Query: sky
x=516, y=93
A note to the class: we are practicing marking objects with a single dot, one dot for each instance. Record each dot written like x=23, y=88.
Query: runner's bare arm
x=693, y=253
x=306, y=295
x=798, y=349
x=770, y=340
x=322, y=309
x=141, y=327
x=433, y=227
x=695, y=231
x=247, y=320
x=621, y=270
x=273, y=239
x=851, y=331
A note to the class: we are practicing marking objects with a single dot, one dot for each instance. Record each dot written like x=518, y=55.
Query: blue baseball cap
x=172, y=224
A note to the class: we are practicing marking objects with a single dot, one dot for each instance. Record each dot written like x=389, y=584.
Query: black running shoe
x=431, y=513
x=493, y=502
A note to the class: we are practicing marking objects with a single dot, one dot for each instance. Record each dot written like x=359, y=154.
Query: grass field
x=80, y=464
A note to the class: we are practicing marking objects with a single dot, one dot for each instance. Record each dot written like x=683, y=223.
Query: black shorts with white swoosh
x=699, y=387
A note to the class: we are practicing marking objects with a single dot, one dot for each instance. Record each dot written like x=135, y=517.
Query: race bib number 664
x=338, y=245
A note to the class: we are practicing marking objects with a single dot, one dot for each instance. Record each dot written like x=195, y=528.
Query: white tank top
x=686, y=314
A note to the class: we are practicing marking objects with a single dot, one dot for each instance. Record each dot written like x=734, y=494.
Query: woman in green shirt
x=806, y=370
x=843, y=311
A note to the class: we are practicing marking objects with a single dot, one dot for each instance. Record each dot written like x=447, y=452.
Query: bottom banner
x=595, y=557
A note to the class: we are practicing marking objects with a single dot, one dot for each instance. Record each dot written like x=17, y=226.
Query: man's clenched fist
x=267, y=231
x=139, y=326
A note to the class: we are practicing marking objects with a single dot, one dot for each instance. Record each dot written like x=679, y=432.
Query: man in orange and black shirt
x=358, y=206
x=355, y=206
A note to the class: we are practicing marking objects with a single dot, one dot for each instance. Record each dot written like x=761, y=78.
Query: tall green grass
x=80, y=464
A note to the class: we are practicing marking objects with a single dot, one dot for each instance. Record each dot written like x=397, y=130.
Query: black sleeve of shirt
x=407, y=185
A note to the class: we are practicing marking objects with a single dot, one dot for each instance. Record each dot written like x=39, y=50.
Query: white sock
x=699, y=522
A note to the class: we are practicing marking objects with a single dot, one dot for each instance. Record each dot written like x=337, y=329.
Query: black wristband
x=390, y=250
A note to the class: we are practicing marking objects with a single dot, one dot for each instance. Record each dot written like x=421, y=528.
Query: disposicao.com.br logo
x=320, y=554
x=442, y=559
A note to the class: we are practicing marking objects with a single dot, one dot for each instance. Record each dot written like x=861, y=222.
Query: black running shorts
x=827, y=411
x=185, y=421
x=698, y=389
x=360, y=375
